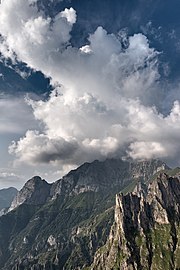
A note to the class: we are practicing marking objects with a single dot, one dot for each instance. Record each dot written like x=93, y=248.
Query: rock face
x=62, y=225
x=111, y=174
x=36, y=191
x=146, y=231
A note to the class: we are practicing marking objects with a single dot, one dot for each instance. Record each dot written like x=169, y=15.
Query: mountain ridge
x=95, y=176
x=66, y=229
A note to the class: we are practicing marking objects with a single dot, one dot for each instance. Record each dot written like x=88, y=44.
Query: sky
x=93, y=86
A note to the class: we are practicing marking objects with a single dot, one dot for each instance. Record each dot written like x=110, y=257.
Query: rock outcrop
x=146, y=231
x=36, y=192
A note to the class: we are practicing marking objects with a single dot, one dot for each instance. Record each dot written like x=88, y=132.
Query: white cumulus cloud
x=107, y=100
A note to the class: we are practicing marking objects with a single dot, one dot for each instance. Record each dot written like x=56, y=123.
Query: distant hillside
x=6, y=197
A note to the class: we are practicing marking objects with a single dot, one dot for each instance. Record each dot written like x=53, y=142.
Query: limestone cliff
x=62, y=225
x=146, y=231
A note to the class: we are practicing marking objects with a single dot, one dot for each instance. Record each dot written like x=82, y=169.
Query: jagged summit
x=107, y=176
x=35, y=191
x=111, y=174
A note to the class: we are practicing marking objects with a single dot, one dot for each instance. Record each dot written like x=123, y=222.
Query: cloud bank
x=108, y=96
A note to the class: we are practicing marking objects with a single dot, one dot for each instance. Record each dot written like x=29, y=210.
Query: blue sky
x=87, y=80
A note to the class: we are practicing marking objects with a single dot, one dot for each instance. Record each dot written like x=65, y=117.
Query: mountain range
x=104, y=215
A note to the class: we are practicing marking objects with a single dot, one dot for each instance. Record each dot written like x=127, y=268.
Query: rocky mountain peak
x=35, y=191
x=111, y=174
x=140, y=231
x=99, y=176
